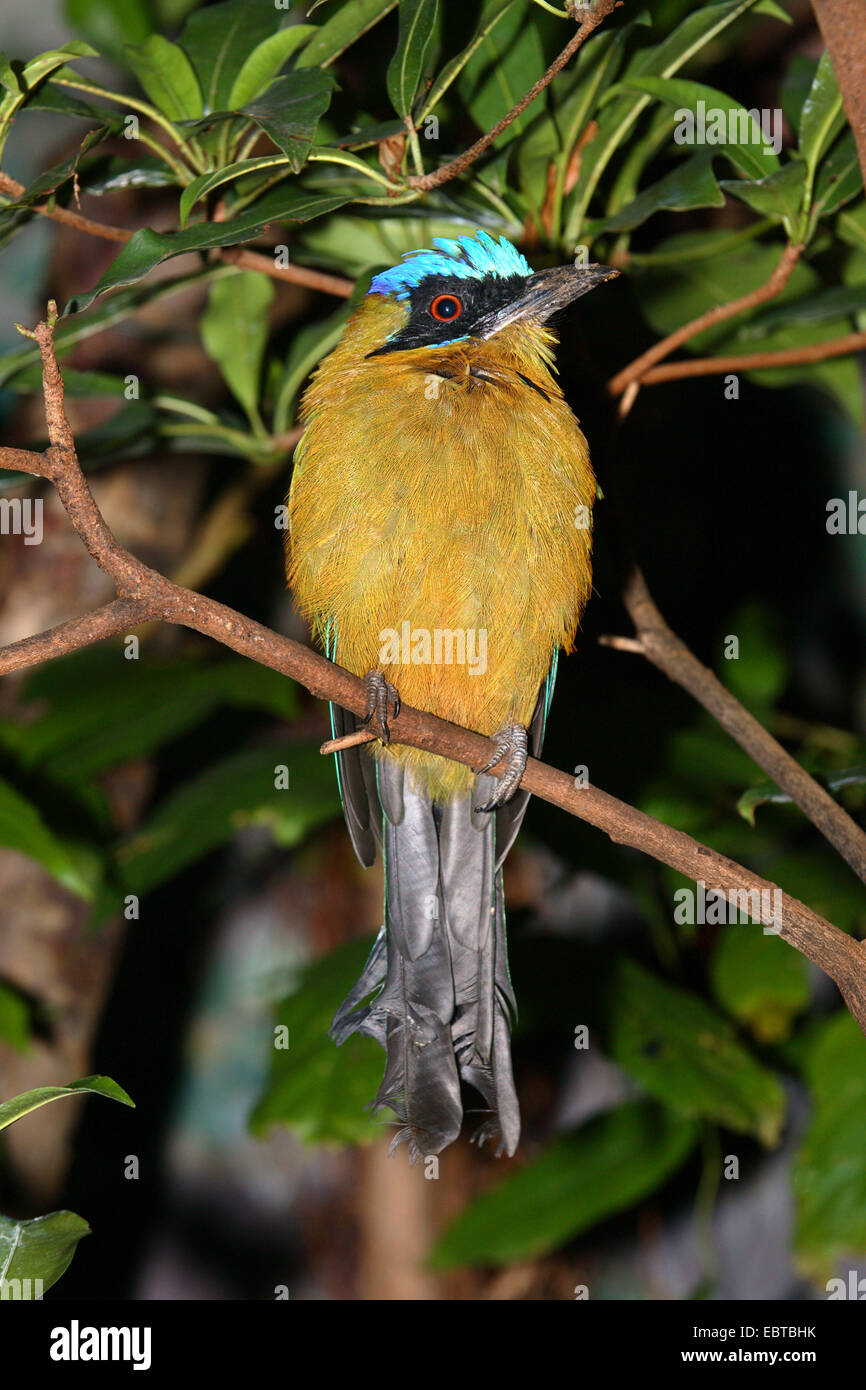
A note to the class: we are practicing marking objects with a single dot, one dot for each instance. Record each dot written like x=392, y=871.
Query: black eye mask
x=447, y=308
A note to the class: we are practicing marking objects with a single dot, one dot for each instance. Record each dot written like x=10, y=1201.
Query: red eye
x=446, y=307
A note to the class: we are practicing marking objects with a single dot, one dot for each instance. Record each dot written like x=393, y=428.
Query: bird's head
x=470, y=288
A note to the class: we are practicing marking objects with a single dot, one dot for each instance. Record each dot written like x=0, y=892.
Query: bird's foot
x=511, y=742
x=380, y=694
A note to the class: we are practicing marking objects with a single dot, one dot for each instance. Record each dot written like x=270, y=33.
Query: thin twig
x=436, y=177
x=249, y=260
x=752, y=361
x=666, y=651
x=149, y=594
x=637, y=370
x=337, y=745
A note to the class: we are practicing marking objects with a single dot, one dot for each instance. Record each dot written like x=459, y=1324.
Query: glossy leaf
x=148, y=249
x=779, y=195
x=686, y=1055
x=265, y=62
x=167, y=76
x=503, y=67
x=217, y=178
x=822, y=116
x=692, y=184
x=40, y=1250
x=344, y=27
x=606, y=1166
x=234, y=331
x=319, y=1090
x=288, y=113
x=28, y=1101
x=490, y=16
x=52, y=179
x=661, y=60
x=115, y=174
x=753, y=155
x=219, y=39
x=417, y=26
x=839, y=178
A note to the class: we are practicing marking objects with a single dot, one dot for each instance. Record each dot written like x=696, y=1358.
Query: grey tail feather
x=435, y=992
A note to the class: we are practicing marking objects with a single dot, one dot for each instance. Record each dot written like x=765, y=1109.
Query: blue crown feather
x=467, y=256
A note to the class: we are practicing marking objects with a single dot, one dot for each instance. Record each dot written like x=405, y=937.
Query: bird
x=439, y=545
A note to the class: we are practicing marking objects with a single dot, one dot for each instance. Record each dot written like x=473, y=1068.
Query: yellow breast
x=440, y=522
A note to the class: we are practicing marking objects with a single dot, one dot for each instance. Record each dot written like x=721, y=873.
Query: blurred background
x=252, y=1171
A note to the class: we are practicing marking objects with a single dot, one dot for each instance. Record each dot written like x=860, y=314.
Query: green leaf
x=490, y=16
x=604, y=1167
x=822, y=116
x=839, y=178
x=760, y=980
x=767, y=793
x=99, y=711
x=851, y=227
x=662, y=60
x=219, y=39
x=19, y=85
x=148, y=249
x=829, y=1173
x=52, y=179
x=688, y=1056
x=28, y=1101
x=167, y=76
x=265, y=62
x=216, y=178
x=22, y=828
x=344, y=27
x=317, y=1089
x=692, y=184
x=14, y=1019
x=234, y=331
x=778, y=195
x=228, y=796
x=752, y=154
x=418, y=20
x=796, y=85
x=40, y=1249
x=114, y=174
x=503, y=67
x=288, y=112
x=109, y=23
x=309, y=345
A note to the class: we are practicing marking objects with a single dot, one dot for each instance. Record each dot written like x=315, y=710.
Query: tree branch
x=751, y=361
x=666, y=651
x=599, y=12
x=841, y=23
x=637, y=371
x=248, y=260
x=146, y=594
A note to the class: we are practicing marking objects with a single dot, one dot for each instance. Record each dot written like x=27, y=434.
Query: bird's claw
x=510, y=742
x=380, y=693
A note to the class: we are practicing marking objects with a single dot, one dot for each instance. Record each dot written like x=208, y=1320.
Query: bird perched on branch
x=439, y=544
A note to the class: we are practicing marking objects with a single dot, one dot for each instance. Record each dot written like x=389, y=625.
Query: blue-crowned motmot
x=439, y=544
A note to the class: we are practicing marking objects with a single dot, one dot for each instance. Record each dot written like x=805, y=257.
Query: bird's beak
x=543, y=294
